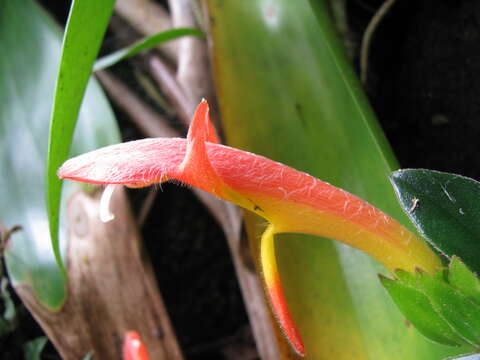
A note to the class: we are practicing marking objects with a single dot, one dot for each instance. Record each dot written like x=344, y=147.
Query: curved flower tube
x=133, y=347
x=292, y=201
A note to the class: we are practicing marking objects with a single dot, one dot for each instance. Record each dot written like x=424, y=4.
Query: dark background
x=424, y=82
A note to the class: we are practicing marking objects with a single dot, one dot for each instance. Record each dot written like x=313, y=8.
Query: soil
x=422, y=85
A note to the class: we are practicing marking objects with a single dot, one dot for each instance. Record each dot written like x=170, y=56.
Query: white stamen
x=105, y=214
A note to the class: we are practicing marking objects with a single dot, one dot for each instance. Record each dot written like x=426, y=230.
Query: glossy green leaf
x=86, y=26
x=446, y=211
x=27, y=81
x=142, y=45
x=416, y=307
x=286, y=91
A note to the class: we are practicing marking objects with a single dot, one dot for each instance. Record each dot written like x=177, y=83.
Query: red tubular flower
x=133, y=347
x=292, y=201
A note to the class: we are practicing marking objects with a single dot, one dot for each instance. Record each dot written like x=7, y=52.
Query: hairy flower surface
x=292, y=201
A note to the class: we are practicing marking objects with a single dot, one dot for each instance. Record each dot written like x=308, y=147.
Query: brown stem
x=166, y=80
x=148, y=18
x=148, y=121
x=193, y=71
x=110, y=289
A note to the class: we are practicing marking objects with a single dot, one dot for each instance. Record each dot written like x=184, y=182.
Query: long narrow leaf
x=27, y=83
x=142, y=45
x=86, y=26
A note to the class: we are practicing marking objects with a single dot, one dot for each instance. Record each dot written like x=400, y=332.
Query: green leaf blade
x=441, y=310
x=417, y=308
x=27, y=84
x=80, y=48
x=460, y=277
x=143, y=45
x=462, y=314
x=446, y=210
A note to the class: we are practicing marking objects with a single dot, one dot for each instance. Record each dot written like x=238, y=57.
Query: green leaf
x=33, y=349
x=416, y=307
x=447, y=210
x=27, y=83
x=461, y=313
x=460, y=277
x=145, y=44
x=439, y=307
x=86, y=26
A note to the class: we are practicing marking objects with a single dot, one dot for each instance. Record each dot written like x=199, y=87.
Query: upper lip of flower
x=292, y=201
